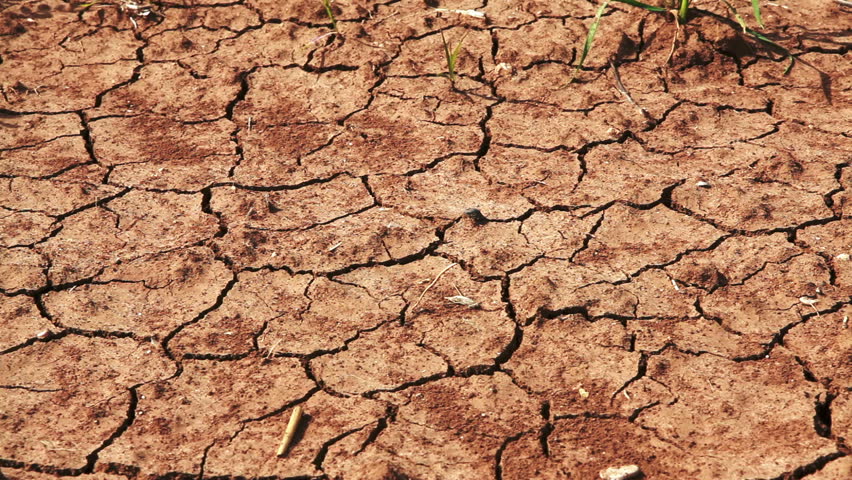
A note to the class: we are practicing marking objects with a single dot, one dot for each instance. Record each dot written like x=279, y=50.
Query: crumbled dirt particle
x=75, y=392
x=164, y=153
x=382, y=360
x=448, y=428
x=708, y=390
x=430, y=194
x=562, y=354
x=148, y=296
x=20, y=320
x=769, y=204
x=824, y=343
x=21, y=269
x=758, y=307
x=135, y=225
x=351, y=311
x=489, y=249
x=585, y=446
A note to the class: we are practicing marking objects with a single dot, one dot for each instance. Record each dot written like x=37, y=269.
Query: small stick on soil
x=431, y=285
x=810, y=302
x=619, y=85
x=677, y=34
x=292, y=425
x=271, y=350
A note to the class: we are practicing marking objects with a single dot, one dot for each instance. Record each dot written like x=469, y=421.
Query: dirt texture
x=212, y=212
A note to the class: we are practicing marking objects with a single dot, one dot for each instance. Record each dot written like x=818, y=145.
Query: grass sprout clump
x=452, y=56
x=679, y=9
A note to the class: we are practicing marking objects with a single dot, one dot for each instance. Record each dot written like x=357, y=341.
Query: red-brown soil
x=217, y=211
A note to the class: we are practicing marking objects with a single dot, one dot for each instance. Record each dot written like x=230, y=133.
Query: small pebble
x=42, y=334
x=843, y=256
x=475, y=215
x=702, y=184
x=620, y=473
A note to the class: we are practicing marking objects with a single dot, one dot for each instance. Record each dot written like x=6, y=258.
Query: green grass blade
x=590, y=38
x=755, y=5
x=790, y=65
x=650, y=8
x=737, y=16
x=327, y=5
x=457, y=50
x=451, y=68
x=762, y=37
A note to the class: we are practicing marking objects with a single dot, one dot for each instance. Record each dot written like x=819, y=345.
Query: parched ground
x=212, y=212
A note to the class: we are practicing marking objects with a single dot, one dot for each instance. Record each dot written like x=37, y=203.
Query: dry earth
x=214, y=212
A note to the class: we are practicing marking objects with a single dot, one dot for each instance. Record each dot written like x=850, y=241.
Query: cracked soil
x=214, y=211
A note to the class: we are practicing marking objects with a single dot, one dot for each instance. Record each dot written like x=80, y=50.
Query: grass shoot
x=590, y=38
x=452, y=56
x=683, y=11
x=328, y=11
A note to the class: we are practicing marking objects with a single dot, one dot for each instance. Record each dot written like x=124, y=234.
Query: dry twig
x=292, y=425
x=431, y=285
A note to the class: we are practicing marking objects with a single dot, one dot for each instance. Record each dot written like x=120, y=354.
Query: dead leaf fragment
x=808, y=300
x=462, y=300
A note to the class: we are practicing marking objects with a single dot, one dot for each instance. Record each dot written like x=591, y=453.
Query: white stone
x=620, y=473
